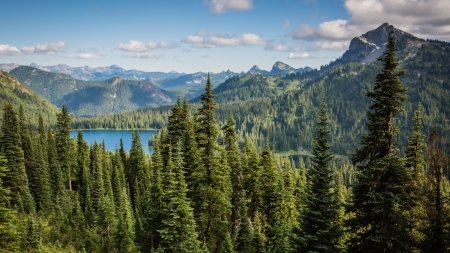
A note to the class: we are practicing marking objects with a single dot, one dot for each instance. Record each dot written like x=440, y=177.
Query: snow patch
x=375, y=46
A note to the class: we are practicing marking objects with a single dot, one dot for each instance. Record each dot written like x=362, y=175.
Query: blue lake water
x=112, y=138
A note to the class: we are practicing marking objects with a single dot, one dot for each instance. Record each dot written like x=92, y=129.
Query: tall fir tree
x=269, y=179
x=381, y=194
x=415, y=162
x=178, y=229
x=9, y=233
x=320, y=220
x=153, y=212
x=56, y=178
x=212, y=198
x=62, y=140
x=16, y=179
x=28, y=153
x=234, y=162
x=252, y=179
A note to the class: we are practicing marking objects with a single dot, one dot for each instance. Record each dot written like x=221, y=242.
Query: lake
x=112, y=138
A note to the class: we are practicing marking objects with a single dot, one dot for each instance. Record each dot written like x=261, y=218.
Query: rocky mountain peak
x=369, y=46
x=281, y=68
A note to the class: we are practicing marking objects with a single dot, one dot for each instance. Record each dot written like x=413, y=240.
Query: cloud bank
x=137, y=46
x=46, y=48
x=423, y=18
x=203, y=40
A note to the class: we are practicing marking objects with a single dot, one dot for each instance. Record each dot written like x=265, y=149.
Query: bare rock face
x=369, y=46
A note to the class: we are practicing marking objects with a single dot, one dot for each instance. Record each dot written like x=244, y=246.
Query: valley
x=302, y=159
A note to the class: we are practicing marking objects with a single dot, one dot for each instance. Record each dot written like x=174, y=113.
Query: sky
x=203, y=35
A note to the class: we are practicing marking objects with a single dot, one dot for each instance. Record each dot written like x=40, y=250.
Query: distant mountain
x=87, y=73
x=193, y=85
x=257, y=71
x=14, y=92
x=89, y=98
x=370, y=46
x=279, y=68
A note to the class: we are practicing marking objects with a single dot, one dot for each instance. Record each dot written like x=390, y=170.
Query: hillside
x=284, y=109
x=14, y=92
x=86, y=98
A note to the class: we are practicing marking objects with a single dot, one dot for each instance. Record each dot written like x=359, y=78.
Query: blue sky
x=203, y=35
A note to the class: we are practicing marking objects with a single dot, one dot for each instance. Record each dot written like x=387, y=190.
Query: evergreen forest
x=376, y=182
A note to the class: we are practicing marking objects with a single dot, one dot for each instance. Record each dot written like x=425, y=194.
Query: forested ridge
x=203, y=191
x=91, y=98
x=284, y=109
x=14, y=92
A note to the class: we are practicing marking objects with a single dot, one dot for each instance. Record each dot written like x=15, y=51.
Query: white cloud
x=222, y=40
x=51, y=48
x=330, y=30
x=286, y=24
x=278, y=47
x=6, y=49
x=425, y=19
x=194, y=39
x=46, y=48
x=221, y=6
x=329, y=45
x=304, y=56
x=186, y=50
x=137, y=46
x=148, y=55
x=87, y=56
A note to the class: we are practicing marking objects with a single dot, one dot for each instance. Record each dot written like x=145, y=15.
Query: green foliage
x=89, y=98
x=16, y=179
x=381, y=194
x=321, y=229
x=15, y=93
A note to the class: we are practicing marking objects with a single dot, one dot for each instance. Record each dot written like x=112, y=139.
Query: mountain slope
x=369, y=46
x=14, y=92
x=86, y=98
x=287, y=118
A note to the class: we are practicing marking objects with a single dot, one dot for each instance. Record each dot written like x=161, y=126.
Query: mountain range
x=281, y=108
x=284, y=109
x=90, y=98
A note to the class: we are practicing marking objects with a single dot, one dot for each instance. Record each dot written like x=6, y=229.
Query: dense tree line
x=203, y=191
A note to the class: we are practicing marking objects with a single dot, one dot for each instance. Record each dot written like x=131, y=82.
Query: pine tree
x=98, y=189
x=43, y=139
x=63, y=146
x=415, y=148
x=252, y=179
x=320, y=231
x=153, y=212
x=124, y=235
x=56, y=179
x=269, y=179
x=8, y=229
x=29, y=154
x=381, y=194
x=212, y=198
x=16, y=179
x=415, y=161
x=178, y=229
x=41, y=181
x=244, y=232
x=138, y=168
